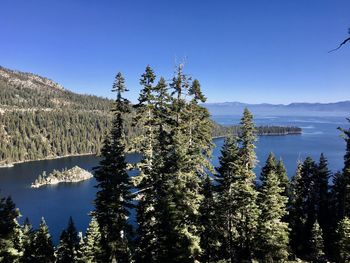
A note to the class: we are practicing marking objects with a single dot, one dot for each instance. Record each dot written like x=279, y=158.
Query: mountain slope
x=27, y=90
x=40, y=119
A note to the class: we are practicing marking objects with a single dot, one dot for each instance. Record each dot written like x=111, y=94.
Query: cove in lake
x=57, y=202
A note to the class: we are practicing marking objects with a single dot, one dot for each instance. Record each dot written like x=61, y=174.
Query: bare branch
x=341, y=44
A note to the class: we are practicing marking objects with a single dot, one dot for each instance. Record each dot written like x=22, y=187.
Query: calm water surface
x=56, y=203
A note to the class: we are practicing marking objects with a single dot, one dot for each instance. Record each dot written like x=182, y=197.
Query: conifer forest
x=186, y=210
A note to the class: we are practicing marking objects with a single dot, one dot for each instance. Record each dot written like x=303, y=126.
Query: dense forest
x=39, y=119
x=187, y=210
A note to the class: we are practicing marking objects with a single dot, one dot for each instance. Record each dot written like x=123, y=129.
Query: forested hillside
x=40, y=119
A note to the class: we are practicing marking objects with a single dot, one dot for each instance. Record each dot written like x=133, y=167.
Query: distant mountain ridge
x=341, y=108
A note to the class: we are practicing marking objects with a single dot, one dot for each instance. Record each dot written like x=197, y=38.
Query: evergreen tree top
x=269, y=166
x=180, y=82
x=147, y=79
x=195, y=91
x=43, y=228
x=316, y=242
x=71, y=229
x=121, y=104
x=281, y=167
x=247, y=139
x=323, y=172
x=343, y=232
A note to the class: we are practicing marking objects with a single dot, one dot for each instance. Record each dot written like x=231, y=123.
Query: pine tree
x=10, y=245
x=28, y=242
x=309, y=195
x=338, y=193
x=199, y=131
x=210, y=233
x=322, y=204
x=90, y=247
x=113, y=199
x=270, y=166
x=283, y=177
x=42, y=245
x=343, y=232
x=272, y=232
x=344, y=195
x=238, y=179
x=227, y=179
x=79, y=258
x=146, y=180
x=296, y=214
x=322, y=188
x=317, y=244
x=163, y=170
x=247, y=212
x=304, y=207
x=189, y=146
x=247, y=139
x=68, y=246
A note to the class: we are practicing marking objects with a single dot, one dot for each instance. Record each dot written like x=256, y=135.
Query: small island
x=74, y=175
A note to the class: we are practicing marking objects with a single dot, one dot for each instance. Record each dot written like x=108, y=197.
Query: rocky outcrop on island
x=74, y=175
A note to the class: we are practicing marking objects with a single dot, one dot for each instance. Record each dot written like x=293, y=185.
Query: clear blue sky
x=250, y=51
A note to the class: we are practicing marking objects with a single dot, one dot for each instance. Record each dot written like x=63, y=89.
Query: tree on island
x=113, y=198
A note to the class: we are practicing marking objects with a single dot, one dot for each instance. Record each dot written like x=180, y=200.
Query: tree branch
x=341, y=44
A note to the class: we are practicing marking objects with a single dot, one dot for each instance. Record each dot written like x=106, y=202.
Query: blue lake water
x=56, y=203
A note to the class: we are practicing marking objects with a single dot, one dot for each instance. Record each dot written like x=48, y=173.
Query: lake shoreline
x=12, y=164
